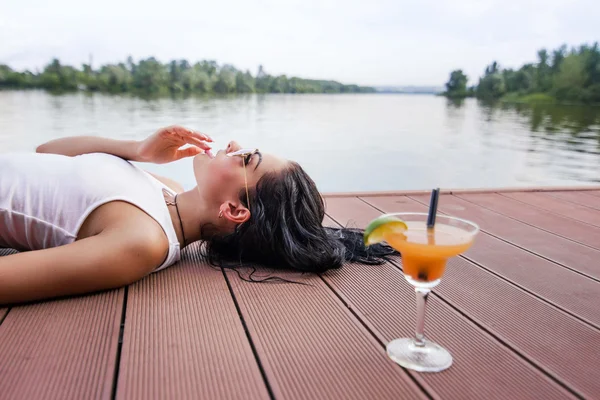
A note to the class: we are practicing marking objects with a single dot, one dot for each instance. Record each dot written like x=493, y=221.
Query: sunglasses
x=244, y=153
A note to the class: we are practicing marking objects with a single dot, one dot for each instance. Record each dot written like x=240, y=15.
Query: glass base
x=428, y=358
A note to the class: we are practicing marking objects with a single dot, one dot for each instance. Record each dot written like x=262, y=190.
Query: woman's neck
x=195, y=213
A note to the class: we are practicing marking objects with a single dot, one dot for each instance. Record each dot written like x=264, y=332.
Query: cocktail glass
x=424, y=255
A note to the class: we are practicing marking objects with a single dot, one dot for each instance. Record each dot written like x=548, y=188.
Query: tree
x=543, y=77
x=492, y=68
x=244, y=82
x=151, y=76
x=115, y=78
x=280, y=85
x=226, y=80
x=491, y=85
x=569, y=81
x=521, y=81
x=130, y=64
x=457, y=84
x=198, y=79
x=263, y=80
x=558, y=55
x=591, y=90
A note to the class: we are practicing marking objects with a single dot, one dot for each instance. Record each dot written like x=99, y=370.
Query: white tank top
x=45, y=198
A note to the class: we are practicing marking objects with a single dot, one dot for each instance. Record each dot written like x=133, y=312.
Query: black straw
x=433, y=204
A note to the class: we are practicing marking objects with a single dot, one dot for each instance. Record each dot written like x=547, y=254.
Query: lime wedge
x=380, y=226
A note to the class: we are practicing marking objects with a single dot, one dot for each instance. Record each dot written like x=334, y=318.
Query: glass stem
x=422, y=295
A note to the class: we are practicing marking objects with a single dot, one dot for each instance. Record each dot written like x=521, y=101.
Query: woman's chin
x=199, y=162
x=201, y=158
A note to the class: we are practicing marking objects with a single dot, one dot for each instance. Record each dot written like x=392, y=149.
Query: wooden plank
x=561, y=207
x=559, y=225
x=62, y=349
x=312, y=347
x=578, y=198
x=183, y=338
x=551, y=339
x=576, y=294
x=565, y=252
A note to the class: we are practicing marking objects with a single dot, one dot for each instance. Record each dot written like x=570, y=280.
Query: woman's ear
x=234, y=212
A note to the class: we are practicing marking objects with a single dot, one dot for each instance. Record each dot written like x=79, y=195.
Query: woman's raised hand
x=164, y=146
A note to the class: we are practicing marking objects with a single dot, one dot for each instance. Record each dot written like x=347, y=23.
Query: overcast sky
x=371, y=42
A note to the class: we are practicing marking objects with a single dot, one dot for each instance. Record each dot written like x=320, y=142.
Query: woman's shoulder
x=129, y=225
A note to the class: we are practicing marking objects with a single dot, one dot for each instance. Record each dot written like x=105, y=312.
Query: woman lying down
x=85, y=219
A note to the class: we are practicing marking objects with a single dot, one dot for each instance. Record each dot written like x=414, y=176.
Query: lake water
x=364, y=142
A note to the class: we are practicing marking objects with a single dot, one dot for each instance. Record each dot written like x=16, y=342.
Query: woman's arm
x=100, y=262
x=163, y=146
x=127, y=149
x=76, y=145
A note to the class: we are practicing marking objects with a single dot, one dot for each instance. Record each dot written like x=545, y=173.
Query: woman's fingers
x=188, y=152
x=196, y=142
x=189, y=136
x=200, y=135
x=190, y=132
x=183, y=132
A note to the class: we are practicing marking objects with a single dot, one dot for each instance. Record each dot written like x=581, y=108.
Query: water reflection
x=551, y=120
x=454, y=103
x=563, y=139
x=345, y=142
x=557, y=118
x=544, y=143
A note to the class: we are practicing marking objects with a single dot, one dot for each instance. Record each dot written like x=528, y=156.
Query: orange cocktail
x=425, y=251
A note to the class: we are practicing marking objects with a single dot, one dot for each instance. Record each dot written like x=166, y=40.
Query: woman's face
x=221, y=178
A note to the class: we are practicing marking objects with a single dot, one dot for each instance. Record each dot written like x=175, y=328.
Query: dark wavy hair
x=285, y=230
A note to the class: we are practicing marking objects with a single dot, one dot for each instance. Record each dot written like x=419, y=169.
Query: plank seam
x=119, y=344
x=528, y=224
x=530, y=292
x=248, y=336
x=5, y=315
x=550, y=211
x=574, y=202
x=518, y=246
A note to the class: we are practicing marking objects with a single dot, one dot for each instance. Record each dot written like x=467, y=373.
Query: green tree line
x=149, y=76
x=565, y=75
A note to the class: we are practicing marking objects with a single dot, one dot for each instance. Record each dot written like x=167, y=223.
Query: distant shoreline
x=151, y=77
x=560, y=76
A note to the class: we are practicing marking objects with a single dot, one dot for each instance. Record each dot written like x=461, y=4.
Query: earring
x=221, y=214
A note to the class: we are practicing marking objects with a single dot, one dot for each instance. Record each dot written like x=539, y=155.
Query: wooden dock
x=520, y=313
